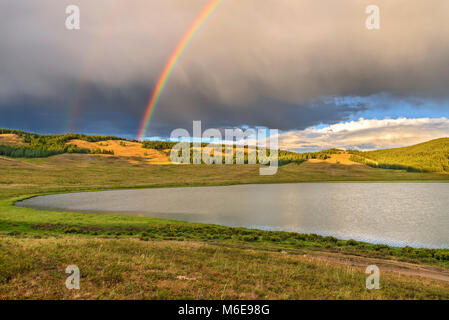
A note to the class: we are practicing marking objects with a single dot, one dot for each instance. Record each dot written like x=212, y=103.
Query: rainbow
x=207, y=11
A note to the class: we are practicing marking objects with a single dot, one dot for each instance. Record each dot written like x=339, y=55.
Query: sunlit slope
x=21, y=144
x=124, y=149
x=431, y=156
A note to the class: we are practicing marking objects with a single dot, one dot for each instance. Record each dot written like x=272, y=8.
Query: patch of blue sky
x=382, y=106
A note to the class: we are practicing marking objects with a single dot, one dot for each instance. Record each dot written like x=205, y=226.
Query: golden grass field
x=126, y=149
x=11, y=139
x=338, y=158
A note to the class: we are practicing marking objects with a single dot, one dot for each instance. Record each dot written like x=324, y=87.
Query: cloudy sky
x=308, y=68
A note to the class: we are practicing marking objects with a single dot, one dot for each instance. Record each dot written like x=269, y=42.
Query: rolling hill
x=21, y=144
x=431, y=156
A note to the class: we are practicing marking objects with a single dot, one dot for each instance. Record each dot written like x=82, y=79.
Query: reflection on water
x=414, y=214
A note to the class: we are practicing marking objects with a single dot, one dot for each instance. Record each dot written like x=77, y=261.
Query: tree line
x=44, y=145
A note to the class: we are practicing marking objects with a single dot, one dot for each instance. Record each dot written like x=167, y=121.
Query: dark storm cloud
x=271, y=63
x=96, y=110
x=266, y=112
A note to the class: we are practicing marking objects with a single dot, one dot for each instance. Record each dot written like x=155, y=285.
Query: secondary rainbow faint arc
x=207, y=11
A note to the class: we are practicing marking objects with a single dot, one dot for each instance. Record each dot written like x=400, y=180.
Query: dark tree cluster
x=44, y=145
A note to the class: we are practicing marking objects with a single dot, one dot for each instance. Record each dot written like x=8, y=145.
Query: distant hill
x=431, y=156
x=21, y=144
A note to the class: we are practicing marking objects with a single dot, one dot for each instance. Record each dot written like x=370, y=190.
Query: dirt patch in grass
x=385, y=265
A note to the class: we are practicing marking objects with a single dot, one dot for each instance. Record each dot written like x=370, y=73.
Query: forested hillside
x=40, y=145
x=34, y=145
x=431, y=156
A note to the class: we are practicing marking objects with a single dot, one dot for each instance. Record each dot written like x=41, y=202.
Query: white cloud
x=366, y=134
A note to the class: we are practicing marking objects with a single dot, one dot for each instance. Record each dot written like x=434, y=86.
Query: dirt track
x=403, y=268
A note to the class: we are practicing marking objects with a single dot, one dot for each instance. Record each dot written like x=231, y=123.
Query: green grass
x=69, y=173
x=17, y=221
x=133, y=269
x=133, y=257
x=74, y=172
x=431, y=156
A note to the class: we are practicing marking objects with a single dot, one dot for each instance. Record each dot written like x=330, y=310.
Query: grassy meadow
x=128, y=268
x=132, y=257
x=146, y=258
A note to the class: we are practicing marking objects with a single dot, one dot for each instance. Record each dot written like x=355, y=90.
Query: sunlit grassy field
x=134, y=269
x=72, y=172
x=131, y=257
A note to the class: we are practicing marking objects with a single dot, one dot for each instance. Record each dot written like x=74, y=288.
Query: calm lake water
x=399, y=214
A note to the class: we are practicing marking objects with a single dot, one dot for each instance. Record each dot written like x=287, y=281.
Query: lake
x=398, y=214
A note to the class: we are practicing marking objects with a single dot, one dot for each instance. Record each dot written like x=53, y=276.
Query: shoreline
x=252, y=226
